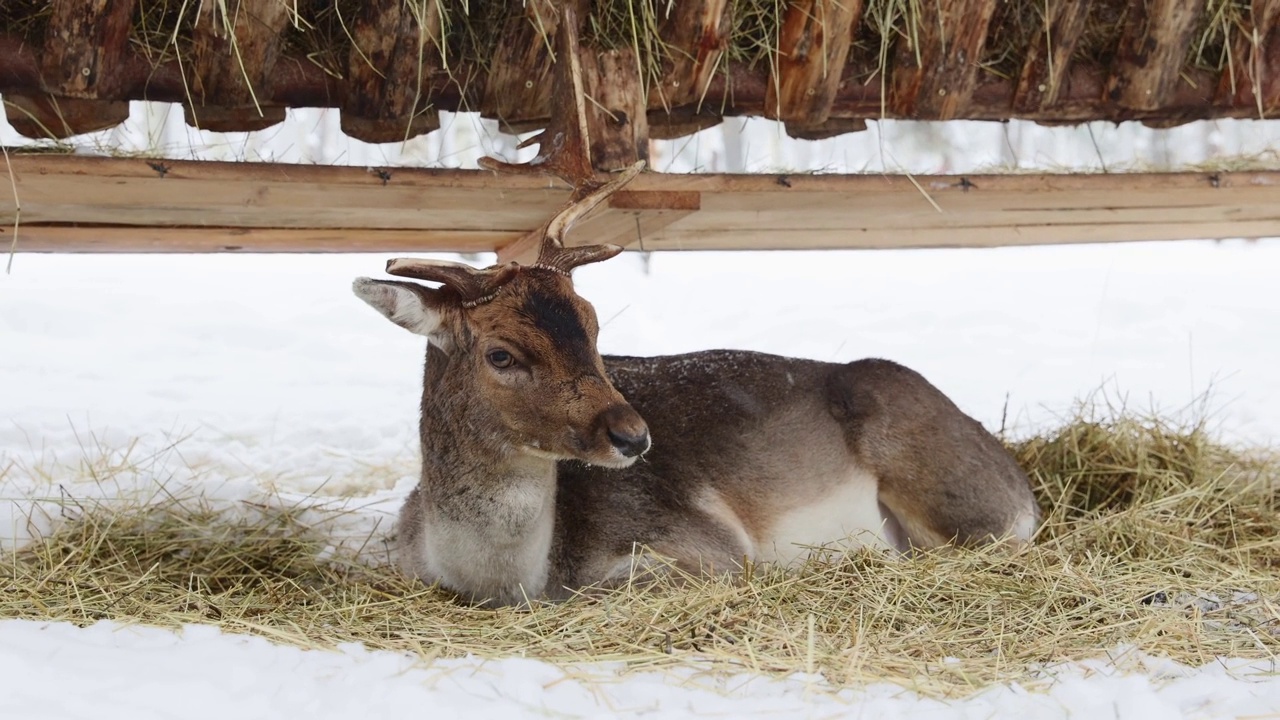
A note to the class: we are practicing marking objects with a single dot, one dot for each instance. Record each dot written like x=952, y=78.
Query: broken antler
x=564, y=147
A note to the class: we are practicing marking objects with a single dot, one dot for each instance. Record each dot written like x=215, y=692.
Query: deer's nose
x=628, y=444
x=627, y=432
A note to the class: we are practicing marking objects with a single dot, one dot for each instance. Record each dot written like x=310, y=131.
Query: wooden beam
x=635, y=217
x=935, y=77
x=1150, y=55
x=75, y=204
x=1048, y=60
x=812, y=48
x=135, y=239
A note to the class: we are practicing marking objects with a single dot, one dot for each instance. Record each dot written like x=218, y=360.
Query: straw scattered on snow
x=1156, y=539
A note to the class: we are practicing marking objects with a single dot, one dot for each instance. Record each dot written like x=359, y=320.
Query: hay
x=1156, y=539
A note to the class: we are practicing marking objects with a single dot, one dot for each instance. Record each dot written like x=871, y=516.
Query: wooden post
x=1151, y=51
x=396, y=49
x=1044, y=70
x=812, y=48
x=235, y=48
x=936, y=78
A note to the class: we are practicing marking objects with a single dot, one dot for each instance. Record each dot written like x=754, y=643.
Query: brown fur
x=527, y=490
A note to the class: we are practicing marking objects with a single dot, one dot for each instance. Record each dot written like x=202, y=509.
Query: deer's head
x=522, y=343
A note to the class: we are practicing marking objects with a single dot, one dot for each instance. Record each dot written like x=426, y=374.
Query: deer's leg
x=944, y=478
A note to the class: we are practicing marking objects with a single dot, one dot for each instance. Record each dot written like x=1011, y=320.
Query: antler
x=475, y=286
x=564, y=151
x=564, y=146
x=553, y=254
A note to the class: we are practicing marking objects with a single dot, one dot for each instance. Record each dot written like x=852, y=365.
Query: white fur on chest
x=846, y=516
x=505, y=557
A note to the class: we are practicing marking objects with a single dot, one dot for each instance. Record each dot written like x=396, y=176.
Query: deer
x=545, y=465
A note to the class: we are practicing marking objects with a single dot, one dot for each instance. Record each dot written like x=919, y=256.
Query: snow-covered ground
x=271, y=377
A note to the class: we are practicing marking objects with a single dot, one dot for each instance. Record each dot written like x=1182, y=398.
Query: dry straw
x=1156, y=539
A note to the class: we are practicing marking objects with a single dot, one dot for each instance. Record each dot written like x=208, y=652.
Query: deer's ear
x=409, y=305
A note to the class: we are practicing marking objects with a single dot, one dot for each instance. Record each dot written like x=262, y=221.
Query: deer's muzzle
x=625, y=429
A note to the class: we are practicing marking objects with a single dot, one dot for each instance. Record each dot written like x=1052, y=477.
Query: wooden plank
x=812, y=48
x=75, y=204
x=1151, y=51
x=935, y=78
x=676, y=238
x=673, y=237
x=635, y=216
x=1048, y=59
x=134, y=239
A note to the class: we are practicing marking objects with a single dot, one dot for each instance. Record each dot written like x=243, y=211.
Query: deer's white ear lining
x=400, y=304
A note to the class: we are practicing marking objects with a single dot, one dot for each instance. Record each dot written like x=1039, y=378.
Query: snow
x=241, y=377
x=267, y=376
x=56, y=670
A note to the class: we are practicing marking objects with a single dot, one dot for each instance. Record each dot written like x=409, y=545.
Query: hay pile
x=1156, y=539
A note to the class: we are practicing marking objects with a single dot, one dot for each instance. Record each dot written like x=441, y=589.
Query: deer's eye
x=500, y=359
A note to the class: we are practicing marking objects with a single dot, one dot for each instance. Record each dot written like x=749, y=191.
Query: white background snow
x=276, y=379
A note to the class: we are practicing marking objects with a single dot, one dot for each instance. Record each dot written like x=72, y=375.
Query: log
x=518, y=90
x=695, y=35
x=235, y=46
x=396, y=51
x=1149, y=57
x=47, y=116
x=1048, y=60
x=617, y=122
x=1253, y=76
x=84, y=47
x=812, y=48
x=935, y=79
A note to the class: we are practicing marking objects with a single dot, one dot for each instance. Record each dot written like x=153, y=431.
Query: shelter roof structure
x=641, y=69
x=823, y=67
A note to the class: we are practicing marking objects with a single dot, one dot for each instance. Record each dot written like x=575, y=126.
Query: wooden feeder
x=646, y=70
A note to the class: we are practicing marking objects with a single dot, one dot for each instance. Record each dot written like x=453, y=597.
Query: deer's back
x=753, y=450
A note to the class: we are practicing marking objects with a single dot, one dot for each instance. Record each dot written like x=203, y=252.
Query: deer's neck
x=489, y=507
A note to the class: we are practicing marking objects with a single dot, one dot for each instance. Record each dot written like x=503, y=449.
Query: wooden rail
x=85, y=204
